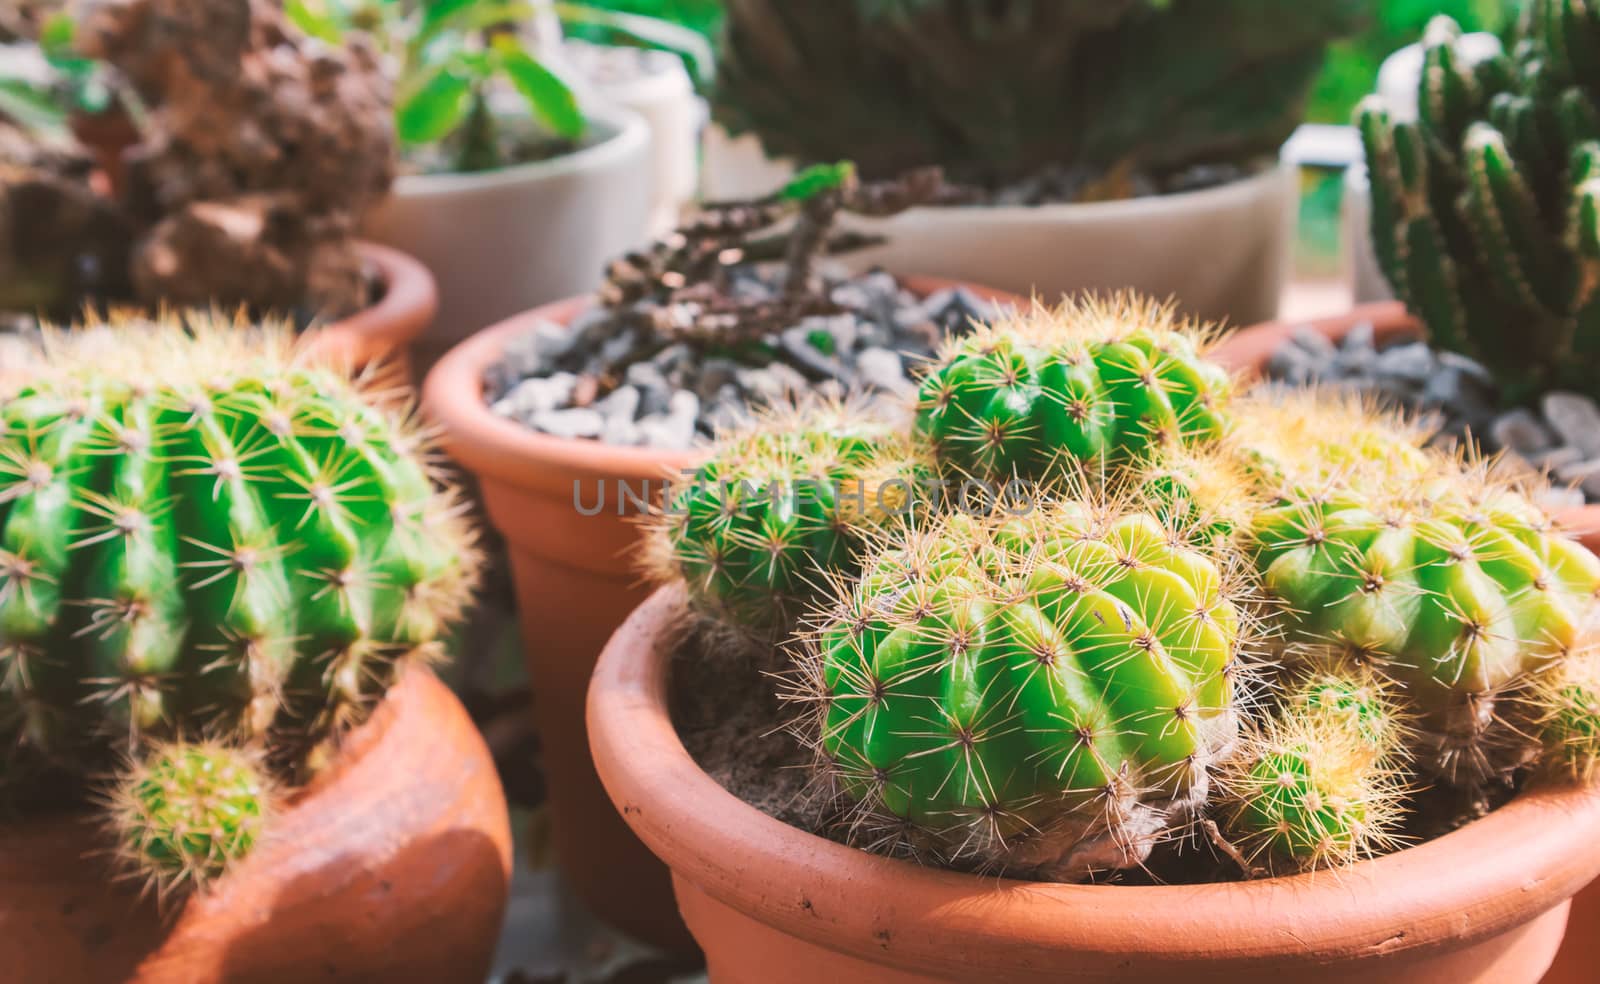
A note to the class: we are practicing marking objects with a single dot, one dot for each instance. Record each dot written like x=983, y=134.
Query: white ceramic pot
x=663, y=94
x=1223, y=252
x=738, y=167
x=504, y=241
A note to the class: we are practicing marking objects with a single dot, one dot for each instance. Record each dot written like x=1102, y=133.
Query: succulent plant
x=1319, y=783
x=1093, y=382
x=1041, y=694
x=782, y=507
x=996, y=91
x=203, y=534
x=1485, y=211
x=186, y=811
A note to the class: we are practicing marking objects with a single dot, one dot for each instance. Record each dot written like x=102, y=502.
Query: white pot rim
x=1233, y=193
x=628, y=134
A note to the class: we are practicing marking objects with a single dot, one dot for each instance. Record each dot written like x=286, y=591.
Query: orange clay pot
x=392, y=866
x=576, y=580
x=771, y=904
x=383, y=333
x=1248, y=351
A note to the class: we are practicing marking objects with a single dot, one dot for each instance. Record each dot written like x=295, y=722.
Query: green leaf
x=435, y=107
x=549, y=98
x=816, y=179
x=649, y=31
x=468, y=16
x=314, y=22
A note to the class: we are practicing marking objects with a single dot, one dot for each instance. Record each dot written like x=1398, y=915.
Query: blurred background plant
x=482, y=84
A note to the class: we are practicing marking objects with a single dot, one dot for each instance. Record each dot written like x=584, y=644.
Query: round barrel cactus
x=1040, y=694
x=783, y=505
x=1458, y=593
x=203, y=534
x=1093, y=382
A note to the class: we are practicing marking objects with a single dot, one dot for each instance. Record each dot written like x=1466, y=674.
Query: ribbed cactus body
x=198, y=535
x=1459, y=601
x=1041, y=693
x=781, y=507
x=1485, y=209
x=1090, y=383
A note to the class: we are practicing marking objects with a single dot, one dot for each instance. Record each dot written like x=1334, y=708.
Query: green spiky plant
x=1042, y=695
x=202, y=533
x=186, y=811
x=996, y=91
x=1486, y=208
x=782, y=506
x=1092, y=383
x=1320, y=783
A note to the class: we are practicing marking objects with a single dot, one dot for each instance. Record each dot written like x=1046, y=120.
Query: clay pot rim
x=486, y=443
x=1478, y=881
x=1247, y=350
x=382, y=330
x=1235, y=192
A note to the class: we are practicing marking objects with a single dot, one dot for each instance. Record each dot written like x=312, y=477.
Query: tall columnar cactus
x=1095, y=383
x=996, y=90
x=1486, y=207
x=201, y=534
x=1041, y=694
x=781, y=508
x=1319, y=784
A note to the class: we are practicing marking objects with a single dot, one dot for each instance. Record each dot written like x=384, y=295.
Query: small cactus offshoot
x=185, y=811
x=1041, y=694
x=1095, y=383
x=782, y=506
x=203, y=534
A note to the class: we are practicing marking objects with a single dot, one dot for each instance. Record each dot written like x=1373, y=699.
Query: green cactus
x=1562, y=710
x=1457, y=592
x=996, y=91
x=201, y=533
x=1486, y=208
x=1094, y=383
x=781, y=508
x=186, y=811
x=1040, y=694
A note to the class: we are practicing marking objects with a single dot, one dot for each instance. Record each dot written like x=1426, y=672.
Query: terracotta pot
x=383, y=333
x=576, y=580
x=1248, y=351
x=392, y=866
x=770, y=903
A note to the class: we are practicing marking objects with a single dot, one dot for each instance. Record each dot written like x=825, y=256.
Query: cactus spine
x=1041, y=694
x=1485, y=208
x=200, y=534
x=1096, y=383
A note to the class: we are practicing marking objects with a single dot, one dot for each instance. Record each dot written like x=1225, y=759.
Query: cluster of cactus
x=203, y=535
x=1000, y=90
x=1051, y=690
x=1485, y=208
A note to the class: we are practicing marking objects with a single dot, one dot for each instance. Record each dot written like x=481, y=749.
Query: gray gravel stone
x=654, y=390
x=531, y=397
x=812, y=360
x=570, y=423
x=1521, y=431
x=1575, y=418
x=621, y=403
x=883, y=369
x=1410, y=363
x=1316, y=345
